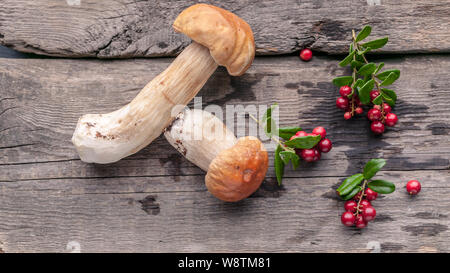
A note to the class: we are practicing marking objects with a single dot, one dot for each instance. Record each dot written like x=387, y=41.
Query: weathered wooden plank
x=148, y=215
x=156, y=201
x=42, y=100
x=127, y=28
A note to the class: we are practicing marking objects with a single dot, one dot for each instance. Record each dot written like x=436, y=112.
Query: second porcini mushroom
x=235, y=167
x=219, y=38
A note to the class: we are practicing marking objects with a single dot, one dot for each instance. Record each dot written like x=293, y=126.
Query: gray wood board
x=124, y=28
x=156, y=200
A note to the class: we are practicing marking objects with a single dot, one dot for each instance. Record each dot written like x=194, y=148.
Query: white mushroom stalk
x=106, y=138
x=235, y=167
x=219, y=38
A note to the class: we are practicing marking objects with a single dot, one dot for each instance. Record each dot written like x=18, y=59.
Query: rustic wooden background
x=155, y=200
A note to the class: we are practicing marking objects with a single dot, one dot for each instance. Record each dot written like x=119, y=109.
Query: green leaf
x=347, y=59
x=270, y=126
x=305, y=142
x=381, y=186
x=378, y=100
x=375, y=44
x=372, y=167
x=279, y=165
x=383, y=75
x=389, y=93
x=350, y=183
x=352, y=193
x=367, y=69
x=358, y=83
x=363, y=33
x=388, y=100
x=364, y=91
x=341, y=81
x=390, y=79
x=378, y=68
x=356, y=64
x=291, y=156
x=268, y=113
x=287, y=132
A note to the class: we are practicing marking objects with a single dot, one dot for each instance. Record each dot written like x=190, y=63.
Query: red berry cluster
x=359, y=211
x=380, y=115
x=314, y=154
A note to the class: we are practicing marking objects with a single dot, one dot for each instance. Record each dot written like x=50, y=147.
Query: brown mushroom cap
x=228, y=37
x=237, y=172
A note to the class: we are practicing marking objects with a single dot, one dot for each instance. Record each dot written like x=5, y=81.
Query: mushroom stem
x=106, y=138
x=200, y=136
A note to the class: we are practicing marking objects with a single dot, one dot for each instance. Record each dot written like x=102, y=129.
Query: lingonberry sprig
x=293, y=143
x=362, y=189
x=366, y=84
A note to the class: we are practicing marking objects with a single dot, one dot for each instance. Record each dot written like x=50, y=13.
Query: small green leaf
x=389, y=93
x=305, y=142
x=363, y=33
x=270, y=128
x=291, y=156
x=287, y=132
x=358, y=83
x=383, y=75
x=279, y=165
x=390, y=79
x=341, y=81
x=375, y=44
x=364, y=91
x=372, y=167
x=367, y=69
x=378, y=100
x=268, y=113
x=350, y=183
x=356, y=64
x=379, y=67
x=352, y=193
x=381, y=186
x=347, y=59
x=388, y=100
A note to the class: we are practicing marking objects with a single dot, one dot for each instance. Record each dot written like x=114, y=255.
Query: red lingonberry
x=387, y=108
x=348, y=115
x=298, y=134
x=317, y=155
x=376, y=106
x=369, y=214
x=320, y=131
x=345, y=90
x=370, y=194
x=377, y=127
x=374, y=94
x=350, y=205
x=413, y=187
x=364, y=204
x=374, y=114
x=348, y=219
x=360, y=222
x=306, y=54
x=359, y=110
x=325, y=145
x=391, y=119
x=342, y=103
x=308, y=155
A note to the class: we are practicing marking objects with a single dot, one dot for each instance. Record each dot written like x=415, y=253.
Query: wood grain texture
x=129, y=28
x=156, y=200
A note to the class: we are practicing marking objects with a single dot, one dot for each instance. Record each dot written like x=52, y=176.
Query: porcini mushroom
x=235, y=167
x=219, y=38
